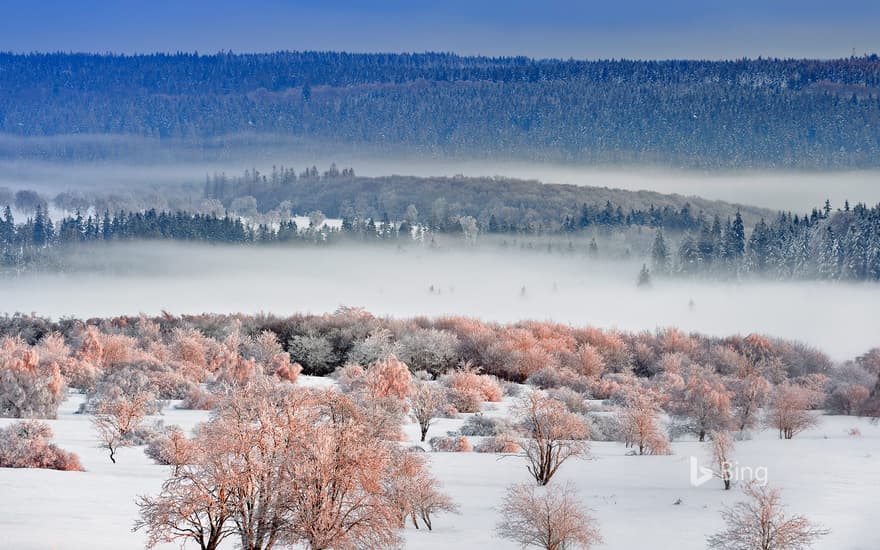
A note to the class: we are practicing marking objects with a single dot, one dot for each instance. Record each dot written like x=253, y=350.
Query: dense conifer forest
x=746, y=113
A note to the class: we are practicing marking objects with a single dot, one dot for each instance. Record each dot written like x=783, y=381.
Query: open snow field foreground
x=826, y=474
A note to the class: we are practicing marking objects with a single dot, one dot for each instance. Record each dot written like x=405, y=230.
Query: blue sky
x=550, y=28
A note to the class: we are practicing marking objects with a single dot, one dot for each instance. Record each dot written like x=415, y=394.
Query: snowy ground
x=826, y=474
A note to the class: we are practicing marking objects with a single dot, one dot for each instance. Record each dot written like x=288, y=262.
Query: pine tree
x=736, y=241
x=39, y=236
x=660, y=254
x=644, y=279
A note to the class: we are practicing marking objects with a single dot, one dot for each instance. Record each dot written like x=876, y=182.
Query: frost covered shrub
x=498, y=444
x=447, y=410
x=388, y=377
x=349, y=377
x=467, y=389
x=28, y=387
x=510, y=389
x=558, y=377
x=199, y=399
x=574, y=401
x=465, y=400
x=432, y=350
x=123, y=384
x=314, y=353
x=170, y=447
x=25, y=445
x=484, y=426
x=450, y=444
x=376, y=346
x=605, y=427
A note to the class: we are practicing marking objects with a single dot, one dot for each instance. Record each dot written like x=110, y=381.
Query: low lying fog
x=186, y=164
x=487, y=282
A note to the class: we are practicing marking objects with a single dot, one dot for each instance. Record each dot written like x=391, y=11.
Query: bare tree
x=118, y=420
x=703, y=403
x=193, y=505
x=750, y=391
x=638, y=419
x=545, y=518
x=761, y=524
x=721, y=445
x=28, y=387
x=416, y=492
x=552, y=434
x=425, y=400
x=335, y=476
x=790, y=409
x=280, y=465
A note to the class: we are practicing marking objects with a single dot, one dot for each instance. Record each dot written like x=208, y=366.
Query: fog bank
x=487, y=282
x=789, y=191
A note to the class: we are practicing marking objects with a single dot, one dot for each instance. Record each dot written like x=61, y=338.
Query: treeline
x=27, y=242
x=746, y=113
x=496, y=204
x=827, y=245
x=173, y=356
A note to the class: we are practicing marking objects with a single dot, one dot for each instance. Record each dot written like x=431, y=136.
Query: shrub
x=484, y=426
x=574, y=401
x=25, y=445
x=605, y=427
x=468, y=389
x=170, y=447
x=498, y=444
x=559, y=377
x=28, y=388
x=450, y=444
x=199, y=399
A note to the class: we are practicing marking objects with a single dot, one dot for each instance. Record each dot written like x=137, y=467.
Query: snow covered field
x=829, y=476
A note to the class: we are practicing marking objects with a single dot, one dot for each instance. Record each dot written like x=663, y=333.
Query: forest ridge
x=765, y=113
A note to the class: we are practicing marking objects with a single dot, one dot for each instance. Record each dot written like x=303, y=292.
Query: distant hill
x=514, y=204
x=731, y=114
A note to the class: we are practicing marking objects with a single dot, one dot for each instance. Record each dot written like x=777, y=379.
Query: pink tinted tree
x=638, y=418
x=26, y=444
x=425, y=401
x=552, y=434
x=760, y=523
x=118, y=419
x=789, y=410
x=546, y=518
x=28, y=388
x=703, y=403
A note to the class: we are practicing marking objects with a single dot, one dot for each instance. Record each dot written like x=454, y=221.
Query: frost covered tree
x=25, y=444
x=279, y=465
x=703, y=403
x=118, y=419
x=639, y=422
x=546, y=517
x=425, y=402
x=416, y=493
x=659, y=254
x=552, y=434
x=760, y=523
x=388, y=377
x=28, y=387
x=644, y=278
x=750, y=391
x=789, y=409
x=721, y=447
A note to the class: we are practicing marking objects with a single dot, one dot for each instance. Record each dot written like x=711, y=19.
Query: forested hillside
x=502, y=204
x=746, y=113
